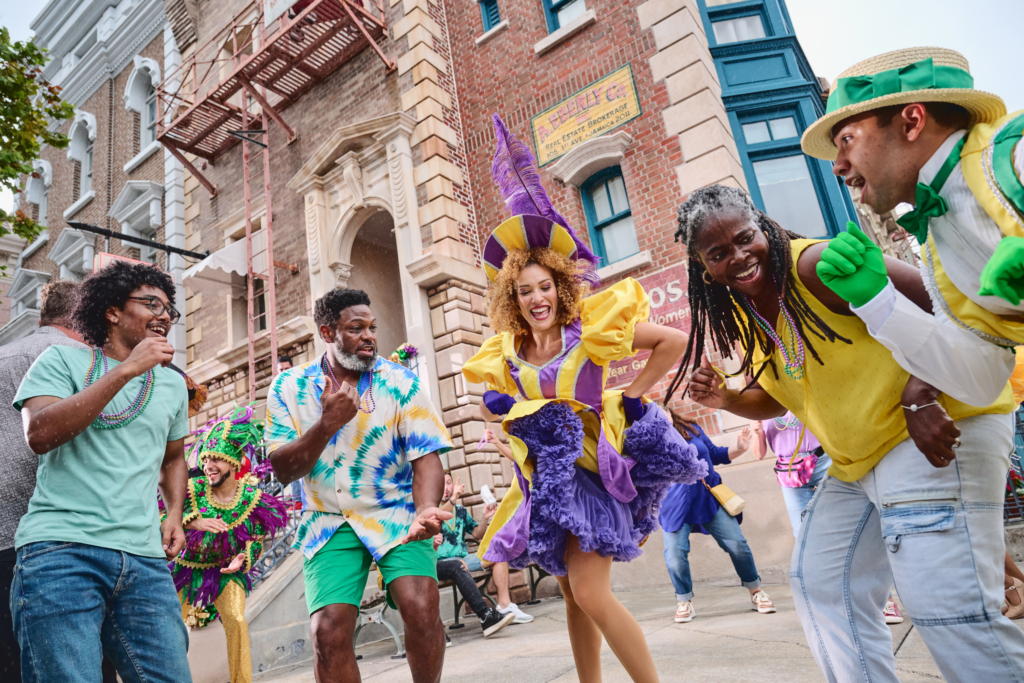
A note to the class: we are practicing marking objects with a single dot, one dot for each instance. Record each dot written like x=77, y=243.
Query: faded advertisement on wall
x=602, y=106
x=669, y=306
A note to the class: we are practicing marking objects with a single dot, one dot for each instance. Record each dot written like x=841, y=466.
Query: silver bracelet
x=913, y=407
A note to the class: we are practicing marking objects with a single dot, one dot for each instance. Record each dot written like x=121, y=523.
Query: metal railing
x=1013, y=510
x=280, y=546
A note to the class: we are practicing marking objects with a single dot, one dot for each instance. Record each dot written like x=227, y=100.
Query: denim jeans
x=798, y=498
x=73, y=603
x=724, y=528
x=940, y=530
x=452, y=569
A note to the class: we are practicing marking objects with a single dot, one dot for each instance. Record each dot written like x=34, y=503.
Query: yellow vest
x=851, y=401
x=979, y=160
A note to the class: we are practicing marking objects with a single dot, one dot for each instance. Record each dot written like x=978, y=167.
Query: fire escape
x=233, y=86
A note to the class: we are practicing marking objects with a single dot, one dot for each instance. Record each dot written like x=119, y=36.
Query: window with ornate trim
x=85, y=172
x=609, y=217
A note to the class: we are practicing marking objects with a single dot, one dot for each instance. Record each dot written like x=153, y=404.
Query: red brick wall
x=506, y=76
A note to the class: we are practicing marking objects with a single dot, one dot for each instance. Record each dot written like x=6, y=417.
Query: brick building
x=380, y=177
x=108, y=57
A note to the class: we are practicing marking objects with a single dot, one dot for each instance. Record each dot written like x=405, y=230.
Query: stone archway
x=375, y=269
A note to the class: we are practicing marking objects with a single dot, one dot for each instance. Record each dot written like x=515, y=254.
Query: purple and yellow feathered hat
x=534, y=222
x=232, y=439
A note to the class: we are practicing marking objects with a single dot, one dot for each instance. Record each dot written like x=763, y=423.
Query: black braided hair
x=715, y=309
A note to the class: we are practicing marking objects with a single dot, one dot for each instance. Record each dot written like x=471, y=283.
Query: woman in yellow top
x=591, y=465
x=915, y=490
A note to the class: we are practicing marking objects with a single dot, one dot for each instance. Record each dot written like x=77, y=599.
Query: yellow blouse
x=852, y=401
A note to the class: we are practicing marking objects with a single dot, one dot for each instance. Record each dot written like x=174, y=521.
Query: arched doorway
x=375, y=270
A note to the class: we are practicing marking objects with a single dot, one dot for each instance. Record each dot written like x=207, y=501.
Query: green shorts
x=338, y=571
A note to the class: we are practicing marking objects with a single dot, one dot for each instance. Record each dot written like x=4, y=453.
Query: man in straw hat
x=908, y=127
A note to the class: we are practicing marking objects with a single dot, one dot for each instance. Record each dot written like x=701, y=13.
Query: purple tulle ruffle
x=565, y=498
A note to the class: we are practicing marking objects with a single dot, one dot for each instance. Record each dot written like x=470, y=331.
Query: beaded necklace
x=792, y=355
x=368, y=376
x=126, y=416
x=784, y=423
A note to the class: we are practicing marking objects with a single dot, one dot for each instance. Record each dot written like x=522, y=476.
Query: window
x=42, y=206
x=767, y=131
x=716, y=3
x=491, y=15
x=740, y=29
x=608, y=216
x=788, y=194
x=85, y=172
x=561, y=12
x=148, y=118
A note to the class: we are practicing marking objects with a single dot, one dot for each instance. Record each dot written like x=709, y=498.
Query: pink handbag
x=796, y=470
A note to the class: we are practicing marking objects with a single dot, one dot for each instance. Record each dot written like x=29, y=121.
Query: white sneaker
x=762, y=603
x=684, y=612
x=521, y=616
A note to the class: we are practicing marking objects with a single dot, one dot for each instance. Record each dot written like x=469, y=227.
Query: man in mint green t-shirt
x=108, y=424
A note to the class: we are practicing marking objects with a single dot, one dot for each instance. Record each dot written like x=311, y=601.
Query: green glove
x=1003, y=275
x=853, y=267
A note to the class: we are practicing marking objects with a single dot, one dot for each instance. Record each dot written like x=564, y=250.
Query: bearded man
x=362, y=435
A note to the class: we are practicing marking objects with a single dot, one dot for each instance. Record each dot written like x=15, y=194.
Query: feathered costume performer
x=207, y=573
x=591, y=465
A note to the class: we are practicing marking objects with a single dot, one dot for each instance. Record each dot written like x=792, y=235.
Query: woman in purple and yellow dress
x=591, y=465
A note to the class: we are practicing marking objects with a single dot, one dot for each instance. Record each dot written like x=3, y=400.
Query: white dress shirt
x=931, y=346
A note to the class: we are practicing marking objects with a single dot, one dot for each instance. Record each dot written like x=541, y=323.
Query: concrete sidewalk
x=725, y=641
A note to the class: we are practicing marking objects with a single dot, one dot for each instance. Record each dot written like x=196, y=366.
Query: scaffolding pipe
x=248, y=256
x=268, y=229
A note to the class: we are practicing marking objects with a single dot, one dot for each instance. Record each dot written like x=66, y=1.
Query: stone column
x=695, y=112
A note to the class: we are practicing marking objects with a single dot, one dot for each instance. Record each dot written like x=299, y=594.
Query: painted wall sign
x=602, y=106
x=669, y=306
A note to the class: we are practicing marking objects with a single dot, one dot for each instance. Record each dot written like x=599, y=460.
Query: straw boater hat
x=917, y=74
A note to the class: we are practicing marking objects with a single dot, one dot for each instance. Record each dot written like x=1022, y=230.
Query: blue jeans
x=798, y=498
x=73, y=603
x=726, y=530
x=940, y=533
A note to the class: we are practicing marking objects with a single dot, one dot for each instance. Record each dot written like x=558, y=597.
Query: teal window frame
x=551, y=8
x=594, y=227
x=490, y=13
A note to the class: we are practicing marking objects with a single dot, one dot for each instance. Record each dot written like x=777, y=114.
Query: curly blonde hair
x=503, y=298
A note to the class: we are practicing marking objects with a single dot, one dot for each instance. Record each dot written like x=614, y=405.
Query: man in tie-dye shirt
x=363, y=437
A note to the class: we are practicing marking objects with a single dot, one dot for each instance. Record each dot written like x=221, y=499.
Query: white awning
x=224, y=271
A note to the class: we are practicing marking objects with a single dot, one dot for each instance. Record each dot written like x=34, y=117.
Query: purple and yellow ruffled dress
x=579, y=467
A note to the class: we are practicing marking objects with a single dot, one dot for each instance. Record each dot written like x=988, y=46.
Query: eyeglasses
x=157, y=307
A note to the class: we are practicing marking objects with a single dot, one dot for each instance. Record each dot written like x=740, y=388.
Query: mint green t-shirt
x=100, y=488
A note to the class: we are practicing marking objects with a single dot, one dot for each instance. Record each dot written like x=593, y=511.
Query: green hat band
x=922, y=75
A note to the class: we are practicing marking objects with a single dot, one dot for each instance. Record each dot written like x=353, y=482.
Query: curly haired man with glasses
x=108, y=424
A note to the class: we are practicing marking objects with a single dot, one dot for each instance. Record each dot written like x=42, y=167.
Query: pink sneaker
x=892, y=613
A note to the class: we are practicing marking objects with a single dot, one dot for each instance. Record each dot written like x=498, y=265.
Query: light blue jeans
x=73, y=602
x=724, y=528
x=798, y=498
x=940, y=531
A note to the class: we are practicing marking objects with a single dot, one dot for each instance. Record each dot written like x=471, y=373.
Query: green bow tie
x=928, y=203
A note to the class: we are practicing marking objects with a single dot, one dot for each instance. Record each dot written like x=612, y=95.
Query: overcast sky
x=836, y=34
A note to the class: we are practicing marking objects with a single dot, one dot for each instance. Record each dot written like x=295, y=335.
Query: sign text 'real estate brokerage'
x=598, y=108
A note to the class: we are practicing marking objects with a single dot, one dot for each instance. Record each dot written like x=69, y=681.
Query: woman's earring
x=704, y=277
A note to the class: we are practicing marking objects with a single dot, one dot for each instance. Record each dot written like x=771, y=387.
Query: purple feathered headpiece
x=515, y=172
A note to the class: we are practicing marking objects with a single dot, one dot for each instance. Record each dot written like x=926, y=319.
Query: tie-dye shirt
x=364, y=476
